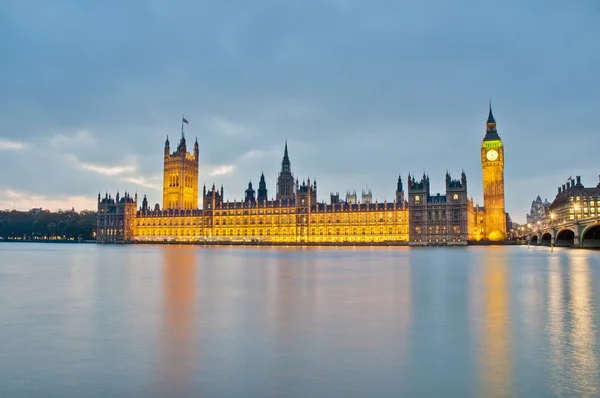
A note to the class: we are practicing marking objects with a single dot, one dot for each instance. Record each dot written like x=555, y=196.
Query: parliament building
x=417, y=217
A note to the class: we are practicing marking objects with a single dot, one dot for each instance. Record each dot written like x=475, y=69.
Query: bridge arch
x=534, y=240
x=590, y=236
x=565, y=237
x=546, y=239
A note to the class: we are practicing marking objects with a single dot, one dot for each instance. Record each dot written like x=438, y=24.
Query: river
x=85, y=320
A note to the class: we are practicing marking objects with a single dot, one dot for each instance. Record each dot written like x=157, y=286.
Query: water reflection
x=556, y=324
x=496, y=353
x=177, y=347
x=582, y=337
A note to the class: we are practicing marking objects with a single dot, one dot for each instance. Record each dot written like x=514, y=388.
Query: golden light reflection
x=177, y=338
x=556, y=324
x=496, y=358
x=584, y=365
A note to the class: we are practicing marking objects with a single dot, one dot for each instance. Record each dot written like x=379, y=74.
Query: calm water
x=180, y=321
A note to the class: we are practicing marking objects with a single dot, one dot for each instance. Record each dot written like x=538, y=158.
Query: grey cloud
x=362, y=91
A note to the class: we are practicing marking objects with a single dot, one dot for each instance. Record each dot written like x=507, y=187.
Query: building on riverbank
x=295, y=215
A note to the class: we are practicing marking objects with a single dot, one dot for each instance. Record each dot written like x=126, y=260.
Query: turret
x=196, y=150
x=145, y=203
x=167, y=147
x=250, y=193
x=182, y=147
x=262, y=189
x=399, y=191
x=335, y=198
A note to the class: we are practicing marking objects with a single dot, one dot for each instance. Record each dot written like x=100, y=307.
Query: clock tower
x=492, y=163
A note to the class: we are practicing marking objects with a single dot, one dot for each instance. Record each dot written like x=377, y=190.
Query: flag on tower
x=185, y=120
x=570, y=178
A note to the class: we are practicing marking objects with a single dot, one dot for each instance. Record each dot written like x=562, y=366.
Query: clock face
x=417, y=198
x=492, y=155
x=455, y=196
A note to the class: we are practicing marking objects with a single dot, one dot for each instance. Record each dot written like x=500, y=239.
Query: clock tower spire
x=492, y=163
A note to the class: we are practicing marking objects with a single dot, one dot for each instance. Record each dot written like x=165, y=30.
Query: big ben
x=492, y=163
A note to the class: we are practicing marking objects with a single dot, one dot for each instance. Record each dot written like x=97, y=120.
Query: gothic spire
x=490, y=115
x=490, y=132
x=285, y=163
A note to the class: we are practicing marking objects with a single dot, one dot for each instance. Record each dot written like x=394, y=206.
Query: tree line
x=60, y=225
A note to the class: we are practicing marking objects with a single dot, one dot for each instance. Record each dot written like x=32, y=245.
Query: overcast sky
x=362, y=91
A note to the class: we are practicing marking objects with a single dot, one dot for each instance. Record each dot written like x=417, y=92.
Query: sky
x=363, y=91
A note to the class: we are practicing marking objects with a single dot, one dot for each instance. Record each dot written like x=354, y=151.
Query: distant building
x=538, y=211
x=351, y=198
x=367, y=196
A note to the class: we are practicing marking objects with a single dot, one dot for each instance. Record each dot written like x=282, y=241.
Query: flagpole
x=181, y=126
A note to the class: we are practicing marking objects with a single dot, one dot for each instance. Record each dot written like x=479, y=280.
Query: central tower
x=285, y=181
x=492, y=163
x=180, y=176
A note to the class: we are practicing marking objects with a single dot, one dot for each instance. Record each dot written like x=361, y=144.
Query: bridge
x=584, y=233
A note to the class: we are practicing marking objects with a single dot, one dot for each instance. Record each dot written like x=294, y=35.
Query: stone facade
x=439, y=219
x=115, y=222
x=295, y=215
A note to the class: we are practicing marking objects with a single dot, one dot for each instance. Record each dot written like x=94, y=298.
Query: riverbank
x=317, y=244
x=45, y=241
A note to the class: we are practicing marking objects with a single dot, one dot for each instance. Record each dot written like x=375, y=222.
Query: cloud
x=22, y=200
x=151, y=183
x=9, y=145
x=265, y=156
x=253, y=154
x=363, y=91
x=221, y=170
x=102, y=169
x=228, y=128
x=80, y=137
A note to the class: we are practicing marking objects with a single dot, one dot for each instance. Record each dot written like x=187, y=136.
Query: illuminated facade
x=180, y=176
x=295, y=216
x=492, y=163
x=574, y=202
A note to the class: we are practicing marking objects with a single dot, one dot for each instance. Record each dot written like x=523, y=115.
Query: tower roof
x=285, y=163
x=286, y=158
x=491, y=133
x=490, y=116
